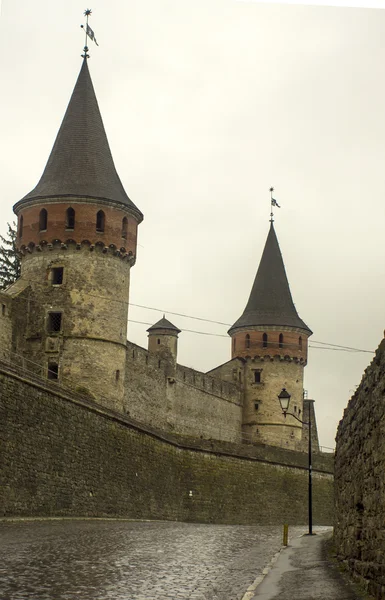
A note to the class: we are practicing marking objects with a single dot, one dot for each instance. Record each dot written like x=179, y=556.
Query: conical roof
x=81, y=163
x=270, y=301
x=164, y=324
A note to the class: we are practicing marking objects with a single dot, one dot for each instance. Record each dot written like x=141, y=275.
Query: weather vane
x=89, y=33
x=273, y=203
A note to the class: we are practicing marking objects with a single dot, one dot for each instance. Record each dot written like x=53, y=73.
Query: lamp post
x=284, y=400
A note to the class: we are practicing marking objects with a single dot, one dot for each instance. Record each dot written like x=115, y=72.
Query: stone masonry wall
x=180, y=399
x=5, y=326
x=360, y=480
x=66, y=456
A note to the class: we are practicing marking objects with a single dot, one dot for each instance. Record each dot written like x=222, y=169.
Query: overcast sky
x=206, y=105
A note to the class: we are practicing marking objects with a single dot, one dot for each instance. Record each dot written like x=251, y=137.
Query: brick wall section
x=62, y=456
x=294, y=342
x=85, y=224
x=180, y=399
x=360, y=480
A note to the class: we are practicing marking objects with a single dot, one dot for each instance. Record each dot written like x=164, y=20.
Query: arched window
x=70, y=218
x=247, y=341
x=280, y=340
x=43, y=219
x=21, y=226
x=124, y=228
x=100, y=221
x=264, y=340
x=300, y=342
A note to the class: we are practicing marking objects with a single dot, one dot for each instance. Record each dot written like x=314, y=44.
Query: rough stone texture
x=5, y=325
x=176, y=398
x=62, y=455
x=360, y=480
x=262, y=418
x=90, y=347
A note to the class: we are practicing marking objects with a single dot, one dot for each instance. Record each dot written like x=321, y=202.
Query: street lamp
x=284, y=400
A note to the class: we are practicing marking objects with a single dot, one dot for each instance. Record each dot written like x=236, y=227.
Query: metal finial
x=271, y=205
x=89, y=33
x=273, y=202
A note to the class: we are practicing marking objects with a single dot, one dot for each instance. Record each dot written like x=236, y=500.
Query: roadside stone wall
x=62, y=455
x=360, y=480
x=180, y=399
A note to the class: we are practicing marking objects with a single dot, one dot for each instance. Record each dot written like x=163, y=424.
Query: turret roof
x=81, y=163
x=270, y=301
x=164, y=324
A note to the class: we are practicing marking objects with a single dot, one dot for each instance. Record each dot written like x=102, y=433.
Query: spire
x=270, y=301
x=80, y=163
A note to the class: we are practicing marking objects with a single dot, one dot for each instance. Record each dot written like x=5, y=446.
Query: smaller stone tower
x=271, y=340
x=163, y=340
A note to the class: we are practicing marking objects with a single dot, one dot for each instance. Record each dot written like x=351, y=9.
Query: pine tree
x=9, y=258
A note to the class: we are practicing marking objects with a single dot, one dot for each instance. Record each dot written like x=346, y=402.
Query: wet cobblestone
x=122, y=560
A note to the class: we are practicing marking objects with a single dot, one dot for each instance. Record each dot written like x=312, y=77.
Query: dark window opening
x=247, y=341
x=295, y=409
x=117, y=375
x=54, y=322
x=240, y=377
x=57, y=275
x=21, y=226
x=257, y=376
x=159, y=363
x=70, y=218
x=3, y=309
x=158, y=341
x=280, y=340
x=300, y=343
x=43, y=220
x=256, y=405
x=53, y=371
x=124, y=228
x=100, y=221
x=264, y=340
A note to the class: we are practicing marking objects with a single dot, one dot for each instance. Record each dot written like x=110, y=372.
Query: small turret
x=163, y=340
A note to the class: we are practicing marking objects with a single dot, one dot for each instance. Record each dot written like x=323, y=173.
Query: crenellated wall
x=182, y=399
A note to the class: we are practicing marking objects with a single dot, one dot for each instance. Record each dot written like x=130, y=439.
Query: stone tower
x=272, y=341
x=163, y=340
x=77, y=232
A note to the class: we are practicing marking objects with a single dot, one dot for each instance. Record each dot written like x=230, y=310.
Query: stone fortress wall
x=360, y=480
x=179, y=399
x=64, y=455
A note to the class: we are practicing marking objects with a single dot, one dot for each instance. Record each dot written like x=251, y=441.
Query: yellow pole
x=285, y=534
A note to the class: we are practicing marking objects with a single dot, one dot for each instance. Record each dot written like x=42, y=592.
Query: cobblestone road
x=122, y=560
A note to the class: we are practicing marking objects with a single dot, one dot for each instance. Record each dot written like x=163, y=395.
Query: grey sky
x=206, y=105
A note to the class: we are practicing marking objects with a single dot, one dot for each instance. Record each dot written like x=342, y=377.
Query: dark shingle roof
x=164, y=324
x=81, y=163
x=270, y=301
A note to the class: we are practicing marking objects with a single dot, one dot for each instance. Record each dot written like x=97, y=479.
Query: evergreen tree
x=9, y=258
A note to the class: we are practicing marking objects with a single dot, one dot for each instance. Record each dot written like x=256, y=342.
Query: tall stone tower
x=272, y=342
x=77, y=232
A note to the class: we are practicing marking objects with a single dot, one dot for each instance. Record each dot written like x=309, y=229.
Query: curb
x=250, y=593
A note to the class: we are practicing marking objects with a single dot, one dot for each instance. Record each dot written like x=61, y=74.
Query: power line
x=327, y=345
